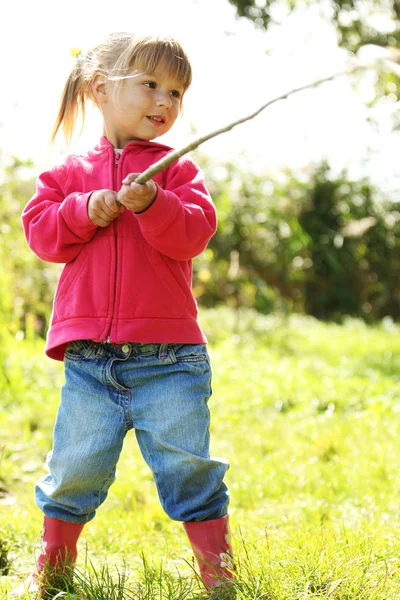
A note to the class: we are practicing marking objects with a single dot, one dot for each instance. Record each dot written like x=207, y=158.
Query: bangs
x=152, y=54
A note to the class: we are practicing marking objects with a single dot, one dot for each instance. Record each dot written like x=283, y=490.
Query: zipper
x=117, y=156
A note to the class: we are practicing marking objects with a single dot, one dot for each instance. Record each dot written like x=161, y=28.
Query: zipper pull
x=117, y=156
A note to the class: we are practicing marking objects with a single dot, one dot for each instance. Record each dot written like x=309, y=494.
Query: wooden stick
x=167, y=160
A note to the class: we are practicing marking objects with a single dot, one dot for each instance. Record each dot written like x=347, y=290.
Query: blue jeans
x=160, y=391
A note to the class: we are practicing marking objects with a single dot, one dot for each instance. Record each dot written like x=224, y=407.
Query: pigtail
x=72, y=103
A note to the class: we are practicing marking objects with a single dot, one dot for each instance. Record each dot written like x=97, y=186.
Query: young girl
x=124, y=319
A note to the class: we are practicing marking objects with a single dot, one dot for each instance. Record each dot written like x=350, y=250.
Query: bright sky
x=236, y=70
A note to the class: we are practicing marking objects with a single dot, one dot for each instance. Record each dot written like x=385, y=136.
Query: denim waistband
x=89, y=348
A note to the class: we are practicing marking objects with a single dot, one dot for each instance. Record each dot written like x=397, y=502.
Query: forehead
x=164, y=64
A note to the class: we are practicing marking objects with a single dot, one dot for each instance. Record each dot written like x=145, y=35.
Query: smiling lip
x=156, y=120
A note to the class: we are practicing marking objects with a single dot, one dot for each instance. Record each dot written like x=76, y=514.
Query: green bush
x=27, y=283
x=316, y=243
x=309, y=242
x=4, y=557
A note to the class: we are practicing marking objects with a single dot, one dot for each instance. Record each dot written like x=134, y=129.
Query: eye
x=176, y=94
x=150, y=84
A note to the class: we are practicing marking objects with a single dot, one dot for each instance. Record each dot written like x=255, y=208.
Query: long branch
x=175, y=154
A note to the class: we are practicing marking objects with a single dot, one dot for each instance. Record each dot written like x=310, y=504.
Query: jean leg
x=172, y=419
x=88, y=438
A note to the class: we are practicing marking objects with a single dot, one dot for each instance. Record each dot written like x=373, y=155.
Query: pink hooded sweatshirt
x=130, y=281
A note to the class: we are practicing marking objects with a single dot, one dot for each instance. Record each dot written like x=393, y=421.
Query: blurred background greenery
x=315, y=239
x=314, y=242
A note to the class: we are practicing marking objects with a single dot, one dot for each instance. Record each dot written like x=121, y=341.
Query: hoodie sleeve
x=182, y=219
x=57, y=227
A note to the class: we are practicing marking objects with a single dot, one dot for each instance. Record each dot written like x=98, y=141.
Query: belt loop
x=100, y=350
x=163, y=353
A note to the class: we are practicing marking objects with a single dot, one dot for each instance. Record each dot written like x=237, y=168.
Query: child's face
x=143, y=108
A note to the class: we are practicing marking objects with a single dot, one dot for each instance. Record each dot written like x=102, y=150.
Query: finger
x=139, y=188
x=111, y=206
x=102, y=214
x=107, y=215
x=106, y=212
x=99, y=221
x=102, y=222
x=129, y=178
x=121, y=196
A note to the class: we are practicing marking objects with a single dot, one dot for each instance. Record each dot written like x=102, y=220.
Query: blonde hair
x=115, y=59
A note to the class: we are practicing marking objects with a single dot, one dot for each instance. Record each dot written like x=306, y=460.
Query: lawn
x=308, y=416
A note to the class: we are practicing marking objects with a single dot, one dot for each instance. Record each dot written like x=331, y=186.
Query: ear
x=100, y=88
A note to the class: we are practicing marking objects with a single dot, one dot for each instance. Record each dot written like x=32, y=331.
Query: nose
x=164, y=99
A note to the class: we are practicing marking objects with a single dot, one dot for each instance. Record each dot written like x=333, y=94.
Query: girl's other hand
x=103, y=207
x=136, y=196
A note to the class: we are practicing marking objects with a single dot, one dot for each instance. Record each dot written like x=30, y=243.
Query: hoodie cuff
x=160, y=213
x=75, y=212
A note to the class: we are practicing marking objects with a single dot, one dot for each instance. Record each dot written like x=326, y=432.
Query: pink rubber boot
x=55, y=563
x=210, y=541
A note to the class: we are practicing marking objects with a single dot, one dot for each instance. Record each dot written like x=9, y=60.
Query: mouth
x=156, y=120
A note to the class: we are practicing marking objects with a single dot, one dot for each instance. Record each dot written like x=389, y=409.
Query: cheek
x=172, y=120
x=135, y=100
x=177, y=111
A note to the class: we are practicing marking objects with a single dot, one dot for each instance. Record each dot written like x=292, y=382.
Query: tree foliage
x=27, y=283
x=317, y=243
x=358, y=22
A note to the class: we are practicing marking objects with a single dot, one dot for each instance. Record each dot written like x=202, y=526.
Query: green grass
x=308, y=415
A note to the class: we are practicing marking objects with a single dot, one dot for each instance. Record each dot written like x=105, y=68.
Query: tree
x=313, y=241
x=358, y=22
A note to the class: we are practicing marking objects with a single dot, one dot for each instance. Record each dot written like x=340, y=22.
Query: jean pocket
x=80, y=350
x=194, y=353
